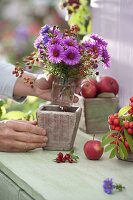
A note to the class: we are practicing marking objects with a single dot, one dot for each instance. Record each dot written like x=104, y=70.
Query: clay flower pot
x=61, y=127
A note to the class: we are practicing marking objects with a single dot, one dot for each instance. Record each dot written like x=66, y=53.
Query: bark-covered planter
x=61, y=127
x=95, y=112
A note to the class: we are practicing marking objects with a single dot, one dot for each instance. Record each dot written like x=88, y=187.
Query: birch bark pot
x=61, y=127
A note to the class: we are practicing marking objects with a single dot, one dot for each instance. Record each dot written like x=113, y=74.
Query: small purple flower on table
x=108, y=186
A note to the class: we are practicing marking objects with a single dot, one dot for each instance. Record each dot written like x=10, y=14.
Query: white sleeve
x=7, y=80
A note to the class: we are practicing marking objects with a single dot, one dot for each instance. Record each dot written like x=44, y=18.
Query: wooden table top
x=43, y=179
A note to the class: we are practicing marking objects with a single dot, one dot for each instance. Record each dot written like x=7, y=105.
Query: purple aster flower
x=45, y=39
x=105, y=58
x=55, y=53
x=56, y=32
x=71, y=56
x=108, y=186
x=55, y=40
x=44, y=29
x=70, y=42
x=37, y=42
x=98, y=39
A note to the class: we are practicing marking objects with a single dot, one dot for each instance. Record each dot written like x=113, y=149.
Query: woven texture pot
x=61, y=127
x=95, y=112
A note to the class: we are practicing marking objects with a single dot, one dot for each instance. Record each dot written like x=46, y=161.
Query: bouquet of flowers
x=119, y=140
x=63, y=55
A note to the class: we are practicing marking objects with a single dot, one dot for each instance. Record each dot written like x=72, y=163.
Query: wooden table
x=34, y=175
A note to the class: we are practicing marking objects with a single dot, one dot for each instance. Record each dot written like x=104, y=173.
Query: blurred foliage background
x=20, y=22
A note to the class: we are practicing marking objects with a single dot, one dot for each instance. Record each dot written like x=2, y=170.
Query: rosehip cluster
x=18, y=71
x=114, y=122
x=129, y=127
x=131, y=104
x=71, y=158
x=121, y=138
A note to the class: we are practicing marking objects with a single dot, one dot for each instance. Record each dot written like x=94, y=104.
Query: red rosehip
x=130, y=131
x=127, y=146
x=130, y=111
x=67, y=156
x=111, y=117
x=116, y=121
x=131, y=99
x=112, y=127
x=126, y=124
x=110, y=122
x=130, y=124
x=60, y=155
x=117, y=128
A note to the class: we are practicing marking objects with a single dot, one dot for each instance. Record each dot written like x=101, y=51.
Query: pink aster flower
x=71, y=56
x=55, y=53
x=70, y=42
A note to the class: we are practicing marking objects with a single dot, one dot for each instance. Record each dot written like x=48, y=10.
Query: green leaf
x=129, y=139
x=2, y=112
x=1, y=102
x=105, y=136
x=121, y=154
x=113, y=153
x=123, y=110
x=109, y=147
x=15, y=115
x=123, y=148
x=107, y=140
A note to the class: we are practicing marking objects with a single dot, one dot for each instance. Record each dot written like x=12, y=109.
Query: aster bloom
x=108, y=186
x=99, y=39
x=45, y=39
x=105, y=58
x=71, y=56
x=55, y=40
x=55, y=53
x=70, y=42
x=37, y=42
x=44, y=29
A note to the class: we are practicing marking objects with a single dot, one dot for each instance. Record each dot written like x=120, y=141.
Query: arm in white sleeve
x=8, y=80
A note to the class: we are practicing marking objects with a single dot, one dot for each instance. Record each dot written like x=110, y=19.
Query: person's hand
x=21, y=136
x=43, y=86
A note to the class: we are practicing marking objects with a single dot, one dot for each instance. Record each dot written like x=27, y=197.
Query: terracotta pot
x=61, y=127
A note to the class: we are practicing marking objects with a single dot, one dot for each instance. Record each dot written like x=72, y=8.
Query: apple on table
x=93, y=149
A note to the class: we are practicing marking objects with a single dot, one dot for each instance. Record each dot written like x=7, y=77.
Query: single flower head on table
x=109, y=186
x=63, y=54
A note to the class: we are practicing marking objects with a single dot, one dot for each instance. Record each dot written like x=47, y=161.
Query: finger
x=25, y=137
x=24, y=121
x=25, y=127
x=17, y=146
x=24, y=147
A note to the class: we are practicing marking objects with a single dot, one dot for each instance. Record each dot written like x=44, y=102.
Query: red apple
x=108, y=84
x=88, y=89
x=93, y=149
